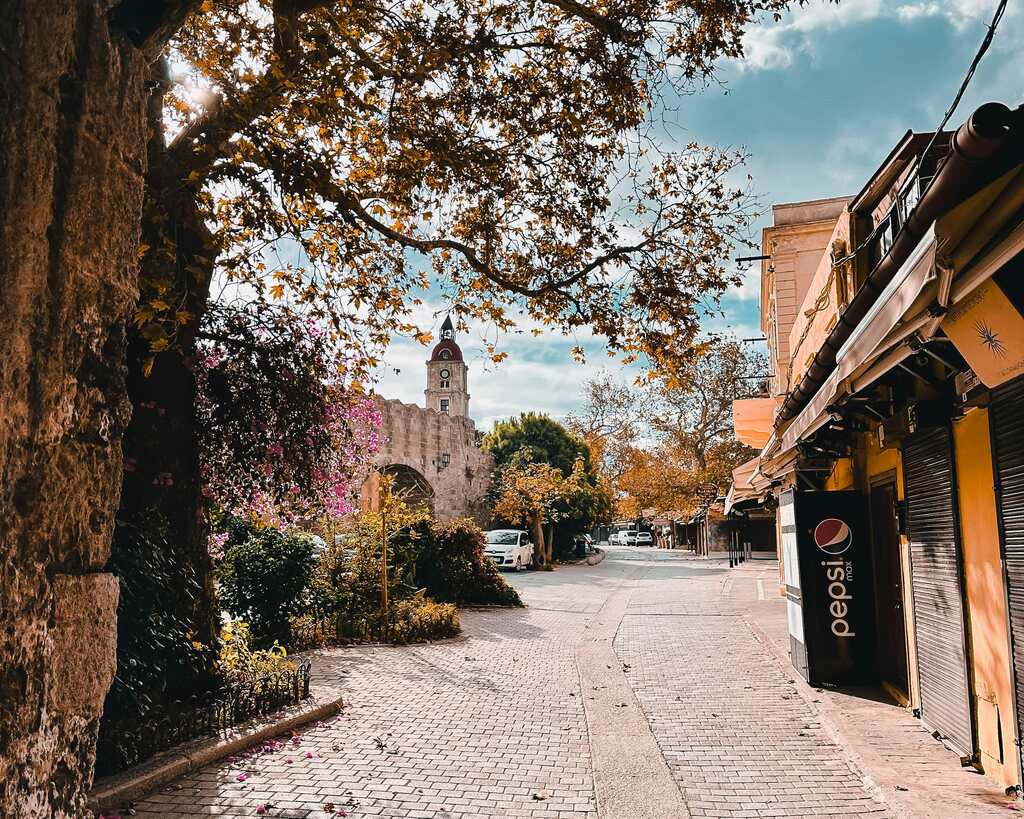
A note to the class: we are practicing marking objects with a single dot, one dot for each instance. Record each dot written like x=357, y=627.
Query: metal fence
x=123, y=745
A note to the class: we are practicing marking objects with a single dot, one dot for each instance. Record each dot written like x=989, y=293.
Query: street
x=632, y=688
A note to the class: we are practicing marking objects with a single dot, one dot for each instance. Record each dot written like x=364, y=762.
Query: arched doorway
x=410, y=486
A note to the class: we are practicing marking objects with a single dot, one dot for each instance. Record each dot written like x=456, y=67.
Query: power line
x=982, y=49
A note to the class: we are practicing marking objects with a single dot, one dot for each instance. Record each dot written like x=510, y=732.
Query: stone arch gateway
x=410, y=486
x=433, y=450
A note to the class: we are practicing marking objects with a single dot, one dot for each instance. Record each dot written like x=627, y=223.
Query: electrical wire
x=823, y=298
x=982, y=49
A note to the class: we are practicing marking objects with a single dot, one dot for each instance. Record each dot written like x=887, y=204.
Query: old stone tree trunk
x=72, y=155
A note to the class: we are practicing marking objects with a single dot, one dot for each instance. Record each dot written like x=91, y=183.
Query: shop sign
x=988, y=331
x=836, y=588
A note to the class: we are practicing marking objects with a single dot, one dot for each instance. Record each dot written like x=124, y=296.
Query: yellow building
x=902, y=391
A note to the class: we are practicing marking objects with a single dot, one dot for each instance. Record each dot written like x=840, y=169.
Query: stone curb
x=134, y=783
x=824, y=711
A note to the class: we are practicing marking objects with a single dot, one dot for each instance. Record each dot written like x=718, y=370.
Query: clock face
x=445, y=374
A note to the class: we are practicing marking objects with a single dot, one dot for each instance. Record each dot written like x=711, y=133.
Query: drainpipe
x=963, y=172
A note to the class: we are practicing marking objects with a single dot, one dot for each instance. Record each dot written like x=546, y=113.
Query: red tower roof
x=450, y=346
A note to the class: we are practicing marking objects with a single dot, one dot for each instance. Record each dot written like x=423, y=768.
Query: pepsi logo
x=833, y=536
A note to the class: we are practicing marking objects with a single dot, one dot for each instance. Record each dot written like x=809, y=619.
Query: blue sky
x=821, y=99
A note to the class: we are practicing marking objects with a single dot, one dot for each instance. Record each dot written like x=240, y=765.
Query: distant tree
x=528, y=451
x=693, y=449
x=611, y=420
x=691, y=407
x=536, y=438
x=537, y=494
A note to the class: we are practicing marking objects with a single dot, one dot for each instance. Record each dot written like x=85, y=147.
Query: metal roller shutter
x=1007, y=419
x=936, y=583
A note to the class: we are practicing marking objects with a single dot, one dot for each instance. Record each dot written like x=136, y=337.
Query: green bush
x=158, y=658
x=264, y=579
x=451, y=565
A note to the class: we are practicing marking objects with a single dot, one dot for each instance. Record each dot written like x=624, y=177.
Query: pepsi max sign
x=834, y=537
x=836, y=589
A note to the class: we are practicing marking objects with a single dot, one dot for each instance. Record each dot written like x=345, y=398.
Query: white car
x=644, y=539
x=509, y=548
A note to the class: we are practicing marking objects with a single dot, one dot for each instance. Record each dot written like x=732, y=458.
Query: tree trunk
x=161, y=444
x=539, y=552
x=549, y=547
x=72, y=157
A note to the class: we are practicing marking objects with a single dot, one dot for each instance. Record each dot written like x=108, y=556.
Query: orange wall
x=842, y=476
x=986, y=596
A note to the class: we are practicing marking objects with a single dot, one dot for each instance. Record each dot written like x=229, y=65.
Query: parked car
x=614, y=539
x=627, y=538
x=644, y=539
x=509, y=548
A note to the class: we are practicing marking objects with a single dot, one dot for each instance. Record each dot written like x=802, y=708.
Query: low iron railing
x=123, y=745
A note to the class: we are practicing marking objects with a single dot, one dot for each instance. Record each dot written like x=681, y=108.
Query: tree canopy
x=325, y=145
x=533, y=437
x=670, y=441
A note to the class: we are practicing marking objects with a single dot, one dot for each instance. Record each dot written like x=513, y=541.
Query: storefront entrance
x=891, y=651
x=937, y=584
x=1007, y=422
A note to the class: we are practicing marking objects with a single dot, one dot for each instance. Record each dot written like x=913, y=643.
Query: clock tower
x=447, y=390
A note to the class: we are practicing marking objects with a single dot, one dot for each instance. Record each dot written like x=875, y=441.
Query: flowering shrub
x=418, y=618
x=282, y=437
x=240, y=662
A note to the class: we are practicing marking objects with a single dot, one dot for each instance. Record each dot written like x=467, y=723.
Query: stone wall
x=419, y=438
x=72, y=140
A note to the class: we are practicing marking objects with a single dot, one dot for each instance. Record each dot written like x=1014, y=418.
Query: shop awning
x=946, y=266
x=866, y=341
x=752, y=420
x=741, y=490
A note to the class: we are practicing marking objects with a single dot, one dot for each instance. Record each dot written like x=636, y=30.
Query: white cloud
x=750, y=288
x=771, y=46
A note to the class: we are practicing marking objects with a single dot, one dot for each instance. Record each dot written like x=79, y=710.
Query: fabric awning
x=752, y=420
x=866, y=341
x=740, y=489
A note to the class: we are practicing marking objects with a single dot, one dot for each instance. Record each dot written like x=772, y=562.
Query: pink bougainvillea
x=283, y=436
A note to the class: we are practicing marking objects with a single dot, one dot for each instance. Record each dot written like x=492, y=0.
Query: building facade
x=896, y=454
x=432, y=453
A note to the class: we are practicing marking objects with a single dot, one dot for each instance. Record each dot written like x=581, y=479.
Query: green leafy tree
x=544, y=472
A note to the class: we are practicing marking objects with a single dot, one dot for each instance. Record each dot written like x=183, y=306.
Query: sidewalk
x=917, y=776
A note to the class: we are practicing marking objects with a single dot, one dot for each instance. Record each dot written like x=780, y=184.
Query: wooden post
x=383, y=506
x=384, y=566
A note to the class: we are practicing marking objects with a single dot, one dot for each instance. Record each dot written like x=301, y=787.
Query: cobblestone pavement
x=495, y=723
x=738, y=737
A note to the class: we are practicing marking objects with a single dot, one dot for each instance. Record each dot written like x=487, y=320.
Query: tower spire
x=448, y=329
